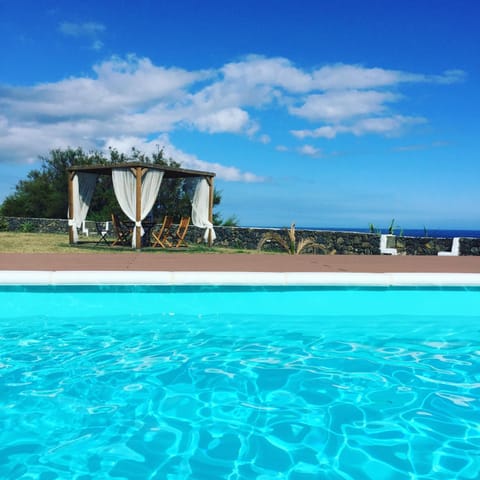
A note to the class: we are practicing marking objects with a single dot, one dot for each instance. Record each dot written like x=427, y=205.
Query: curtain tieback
x=209, y=230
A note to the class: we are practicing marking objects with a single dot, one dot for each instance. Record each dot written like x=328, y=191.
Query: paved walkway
x=171, y=262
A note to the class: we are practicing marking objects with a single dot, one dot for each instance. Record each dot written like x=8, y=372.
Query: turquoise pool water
x=239, y=383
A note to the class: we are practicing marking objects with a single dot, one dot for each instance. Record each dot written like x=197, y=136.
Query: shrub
x=27, y=227
x=3, y=224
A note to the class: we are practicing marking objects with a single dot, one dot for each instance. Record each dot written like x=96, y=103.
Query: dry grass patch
x=16, y=242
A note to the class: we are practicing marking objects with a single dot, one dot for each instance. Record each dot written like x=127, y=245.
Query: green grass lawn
x=17, y=242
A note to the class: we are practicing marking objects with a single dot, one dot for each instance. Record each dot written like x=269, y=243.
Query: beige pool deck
x=237, y=262
x=237, y=269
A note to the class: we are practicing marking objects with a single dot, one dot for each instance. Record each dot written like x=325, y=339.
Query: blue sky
x=326, y=114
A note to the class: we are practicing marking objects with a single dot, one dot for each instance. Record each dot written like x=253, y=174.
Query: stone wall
x=470, y=246
x=343, y=243
x=40, y=225
x=328, y=242
x=422, y=245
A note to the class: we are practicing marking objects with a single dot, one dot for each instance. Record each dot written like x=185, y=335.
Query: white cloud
x=89, y=30
x=25, y=142
x=387, y=126
x=309, y=150
x=81, y=29
x=223, y=172
x=233, y=120
x=340, y=76
x=417, y=147
x=449, y=76
x=137, y=79
x=186, y=160
x=340, y=105
x=97, y=45
x=114, y=91
x=131, y=98
x=225, y=92
x=327, y=131
x=384, y=125
x=274, y=72
x=279, y=72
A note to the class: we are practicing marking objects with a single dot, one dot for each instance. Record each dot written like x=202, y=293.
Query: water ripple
x=171, y=399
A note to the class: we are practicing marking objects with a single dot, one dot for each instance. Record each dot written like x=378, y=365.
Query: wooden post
x=138, y=210
x=210, y=208
x=71, y=176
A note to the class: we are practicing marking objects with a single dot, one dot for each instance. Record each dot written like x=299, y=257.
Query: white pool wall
x=21, y=277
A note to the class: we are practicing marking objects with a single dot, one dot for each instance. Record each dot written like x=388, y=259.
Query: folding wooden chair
x=122, y=232
x=161, y=237
x=182, y=231
x=102, y=232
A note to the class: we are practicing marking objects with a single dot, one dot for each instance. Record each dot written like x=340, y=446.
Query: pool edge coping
x=221, y=278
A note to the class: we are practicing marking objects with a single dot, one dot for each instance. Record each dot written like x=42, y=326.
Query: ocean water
x=411, y=232
x=212, y=383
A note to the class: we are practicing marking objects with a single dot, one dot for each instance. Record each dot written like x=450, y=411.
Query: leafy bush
x=27, y=227
x=3, y=224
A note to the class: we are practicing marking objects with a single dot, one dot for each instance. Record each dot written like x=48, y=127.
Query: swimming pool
x=265, y=382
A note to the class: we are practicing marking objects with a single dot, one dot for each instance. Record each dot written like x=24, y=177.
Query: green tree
x=44, y=194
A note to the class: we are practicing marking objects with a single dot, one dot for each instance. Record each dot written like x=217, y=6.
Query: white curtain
x=201, y=207
x=151, y=182
x=83, y=187
x=125, y=188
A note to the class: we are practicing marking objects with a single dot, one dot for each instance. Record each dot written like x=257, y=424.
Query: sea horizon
x=406, y=232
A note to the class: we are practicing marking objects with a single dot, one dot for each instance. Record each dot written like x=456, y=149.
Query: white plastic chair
x=383, y=246
x=84, y=229
x=455, y=251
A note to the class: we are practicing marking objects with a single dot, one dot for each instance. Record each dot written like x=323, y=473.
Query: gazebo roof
x=169, y=172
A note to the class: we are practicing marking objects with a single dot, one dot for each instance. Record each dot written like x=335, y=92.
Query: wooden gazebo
x=138, y=169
